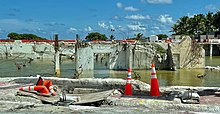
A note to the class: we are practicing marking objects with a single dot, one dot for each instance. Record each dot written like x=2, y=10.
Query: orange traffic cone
x=41, y=89
x=52, y=91
x=40, y=81
x=154, y=90
x=128, y=86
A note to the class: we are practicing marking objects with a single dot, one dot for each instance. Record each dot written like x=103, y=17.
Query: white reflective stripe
x=153, y=70
x=128, y=81
x=153, y=76
x=51, y=87
x=129, y=73
x=32, y=88
x=28, y=88
x=52, y=91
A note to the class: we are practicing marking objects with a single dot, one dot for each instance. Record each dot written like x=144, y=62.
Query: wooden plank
x=92, y=97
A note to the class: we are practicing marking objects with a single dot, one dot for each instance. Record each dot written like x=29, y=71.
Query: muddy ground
x=10, y=103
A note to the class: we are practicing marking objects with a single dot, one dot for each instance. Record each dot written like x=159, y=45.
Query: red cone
x=154, y=90
x=128, y=86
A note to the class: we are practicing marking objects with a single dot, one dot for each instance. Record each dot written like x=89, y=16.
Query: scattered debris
x=201, y=75
x=78, y=72
x=189, y=96
x=136, y=76
x=212, y=67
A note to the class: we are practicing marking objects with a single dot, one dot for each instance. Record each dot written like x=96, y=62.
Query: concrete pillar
x=83, y=57
x=57, y=55
x=76, y=52
x=211, y=48
x=57, y=63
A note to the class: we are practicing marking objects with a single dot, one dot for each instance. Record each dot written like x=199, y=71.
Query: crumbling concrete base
x=10, y=103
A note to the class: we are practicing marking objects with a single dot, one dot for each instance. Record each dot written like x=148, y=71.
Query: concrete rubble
x=139, y=103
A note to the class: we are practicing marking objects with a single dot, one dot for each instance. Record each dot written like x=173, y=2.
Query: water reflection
x=181, y=77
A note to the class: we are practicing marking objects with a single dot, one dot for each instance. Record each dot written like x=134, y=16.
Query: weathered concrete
x=106, y=84
x=9, y=103
x=122, y=55
x=188, y=54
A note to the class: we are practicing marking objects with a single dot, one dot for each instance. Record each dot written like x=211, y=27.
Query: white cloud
x=102, y=25
x=106, y=26
x=131, y=8
x=111, y=27
x=210, y=7
x=119, y=5
x=155, y=28
x=137, y=27
x=72, y=29
x=157, y=1
x=166, y=19
x=116, y=17
x=137, y=17
x=88, y=29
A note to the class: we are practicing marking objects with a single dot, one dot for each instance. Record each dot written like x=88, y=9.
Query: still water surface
x=181, y=77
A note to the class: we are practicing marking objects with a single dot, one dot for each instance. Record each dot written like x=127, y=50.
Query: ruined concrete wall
x=143, y=56
x=24, y=50
x=119, y=58
x=35, y=50
x=121, y=55
x=85, y=58
x=188, y=54
x=138, y=56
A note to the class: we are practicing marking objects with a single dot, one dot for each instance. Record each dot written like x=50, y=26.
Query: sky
x=121, y=18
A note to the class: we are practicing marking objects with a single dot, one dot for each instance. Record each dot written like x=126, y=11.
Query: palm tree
x=182, y=25
x=112, y=37
x=197, y=23
x=216, y=21
x=139, y=36
x=208, y=24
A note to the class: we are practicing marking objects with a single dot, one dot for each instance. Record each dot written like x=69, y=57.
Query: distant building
x=153, y=38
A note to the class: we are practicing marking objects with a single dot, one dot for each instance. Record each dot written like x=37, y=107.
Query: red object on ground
x=42, y=89
x=128, y=86
x=154, y=89
x=42, y=86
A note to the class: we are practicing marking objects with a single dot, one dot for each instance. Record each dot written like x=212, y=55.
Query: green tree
x=161, y=36
x=198, y=23
x=216, y=22
x=208, y=24
x=96, y=36
x=182, y=25
x=16, y=36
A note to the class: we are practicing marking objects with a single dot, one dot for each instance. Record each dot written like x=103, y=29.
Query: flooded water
x=181, y=77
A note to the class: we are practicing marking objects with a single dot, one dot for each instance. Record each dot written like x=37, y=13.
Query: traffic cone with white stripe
x=154, y=89
x=41, y=89
x=52, y=91
x=128, y=86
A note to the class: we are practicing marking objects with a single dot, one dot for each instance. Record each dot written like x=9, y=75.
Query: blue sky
x=70, y=17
